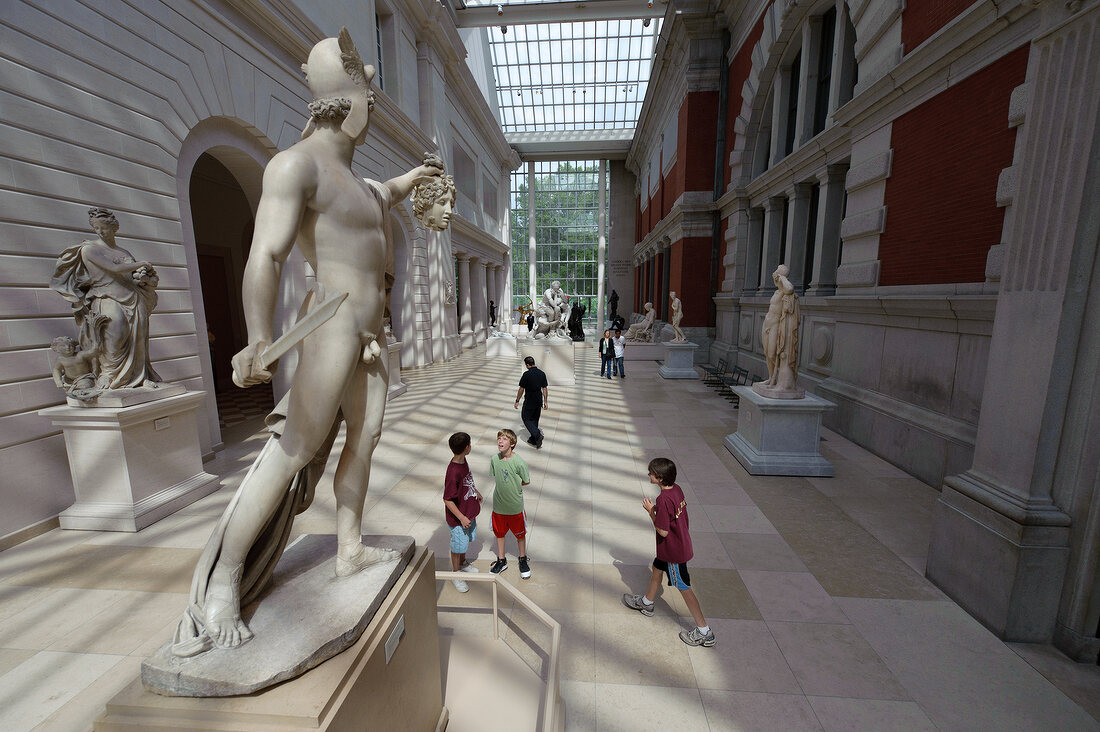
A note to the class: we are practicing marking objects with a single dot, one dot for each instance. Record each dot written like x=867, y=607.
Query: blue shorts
x=678, y=576
x=461, y=538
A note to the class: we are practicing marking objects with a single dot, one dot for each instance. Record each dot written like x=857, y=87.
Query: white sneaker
x=468, y=568
x=460, y=585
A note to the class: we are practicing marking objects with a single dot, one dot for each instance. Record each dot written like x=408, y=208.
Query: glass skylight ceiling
x=572, y=76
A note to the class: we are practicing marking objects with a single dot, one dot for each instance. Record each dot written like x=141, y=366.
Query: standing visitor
x=619, y=342
x=607, y=353
x=532, y=388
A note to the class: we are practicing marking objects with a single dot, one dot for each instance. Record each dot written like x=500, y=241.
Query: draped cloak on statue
x=93, y=291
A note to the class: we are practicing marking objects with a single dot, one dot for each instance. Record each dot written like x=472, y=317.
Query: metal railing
x=550, y=721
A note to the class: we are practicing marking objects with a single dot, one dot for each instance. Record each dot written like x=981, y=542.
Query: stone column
x=465, y=303
x=601, y=248
x=798, y=224
x=753, y=250
x=651, y=286
x=478, y=301
x=666, y=273
x=773, y=243
x=1007, y=529
x=531, y=284
x=830, y=212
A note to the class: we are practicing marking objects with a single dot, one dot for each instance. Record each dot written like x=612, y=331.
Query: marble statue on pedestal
x=310, y=196
x=433, y=202
x=677, y=310
x=780, y=340
x=642, y=331
x=551, y=314
x=492, y=314
x=112, y=295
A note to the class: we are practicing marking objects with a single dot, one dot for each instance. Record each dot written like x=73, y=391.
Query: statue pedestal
x=636, y=351
x=132, y=466
x=396, y=386
x=779, y=436
x=388, y=679
x=501, y=346
x=554, y=356
x=679, y=360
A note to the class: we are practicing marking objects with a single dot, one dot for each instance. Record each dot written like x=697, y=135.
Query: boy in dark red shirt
x=670, y=519
x=463, y=504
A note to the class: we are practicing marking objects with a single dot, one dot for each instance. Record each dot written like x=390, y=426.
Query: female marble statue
x=643, y=330
x=677, y=310
x=103, y=280
x=780, y=339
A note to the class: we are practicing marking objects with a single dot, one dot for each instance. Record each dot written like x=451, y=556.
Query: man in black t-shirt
x=532, y=387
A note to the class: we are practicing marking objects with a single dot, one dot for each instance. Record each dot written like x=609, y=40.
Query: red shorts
x=503, y=523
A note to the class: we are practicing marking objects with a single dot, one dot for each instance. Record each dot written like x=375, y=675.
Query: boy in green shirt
x=511, y=474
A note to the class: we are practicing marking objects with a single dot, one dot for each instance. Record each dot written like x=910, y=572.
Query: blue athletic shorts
x=677, y=574
x=461, y=538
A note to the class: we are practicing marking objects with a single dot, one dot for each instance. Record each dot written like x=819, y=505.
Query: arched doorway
x=222, y=218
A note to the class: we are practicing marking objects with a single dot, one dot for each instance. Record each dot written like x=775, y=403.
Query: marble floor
x=814, y=587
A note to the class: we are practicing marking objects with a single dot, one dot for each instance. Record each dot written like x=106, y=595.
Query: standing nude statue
x=780, y=340
x=677, y=315
x=310, y=196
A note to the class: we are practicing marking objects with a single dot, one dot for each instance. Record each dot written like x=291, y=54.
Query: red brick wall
x=941, y=210
x=698, y=123
x=688, y=270
x=738, y=74
x=921, y=19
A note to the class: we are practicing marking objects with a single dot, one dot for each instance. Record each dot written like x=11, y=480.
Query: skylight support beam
x=484, y=16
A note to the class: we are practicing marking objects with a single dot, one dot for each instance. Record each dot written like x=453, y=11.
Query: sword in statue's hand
x=305, y=325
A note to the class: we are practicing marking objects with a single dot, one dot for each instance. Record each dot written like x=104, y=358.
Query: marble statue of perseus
x=310, y=196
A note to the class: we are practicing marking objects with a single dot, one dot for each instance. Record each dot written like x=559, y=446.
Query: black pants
x=530, y=416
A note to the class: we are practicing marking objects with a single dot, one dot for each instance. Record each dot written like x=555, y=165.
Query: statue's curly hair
x=62, y=341
x=425, y=195
x=333, y=109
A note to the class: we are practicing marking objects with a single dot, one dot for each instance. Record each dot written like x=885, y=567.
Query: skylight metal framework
x=572, y=76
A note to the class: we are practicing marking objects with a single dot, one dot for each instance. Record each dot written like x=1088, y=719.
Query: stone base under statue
x=502, y=345
x=396, y=386
x=779, y=436
x=776, y=392
x=388, y=679
x=679, y=360
x=306, y=616
x=554, y=356
x=639, y=351
x=132, y=466
x=115, y=398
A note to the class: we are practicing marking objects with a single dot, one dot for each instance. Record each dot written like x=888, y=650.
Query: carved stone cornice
x=476, y=241
x=691, y=216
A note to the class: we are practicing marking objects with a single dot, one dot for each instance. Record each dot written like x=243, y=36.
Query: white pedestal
x=779, y=436
x=503, y=346
x=554, y=356
x=396, y=386
x=635, y=351
x=679, y=360
x=132, y=466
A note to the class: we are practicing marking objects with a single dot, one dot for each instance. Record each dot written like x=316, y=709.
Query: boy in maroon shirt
x=463, y=503
x=670, y=519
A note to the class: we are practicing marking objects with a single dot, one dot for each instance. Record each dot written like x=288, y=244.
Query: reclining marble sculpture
x=780, y=340
x=642, y=331
x=112, y=295
x=310, y=196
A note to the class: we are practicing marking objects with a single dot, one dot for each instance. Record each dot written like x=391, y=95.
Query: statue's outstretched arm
x=402, y=185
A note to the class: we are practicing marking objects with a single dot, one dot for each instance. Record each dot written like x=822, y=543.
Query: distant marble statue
x=433, y=202
x=642, y=331
x=613, y=306
x=676, y=308
x=310, y=196
x=112, y=295
x=576, y=322
x=780, y=340
x=553, y=300
x=492, y=314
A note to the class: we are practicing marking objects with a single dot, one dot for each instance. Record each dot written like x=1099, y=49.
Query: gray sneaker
x=695, y=637
x=635, y=602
